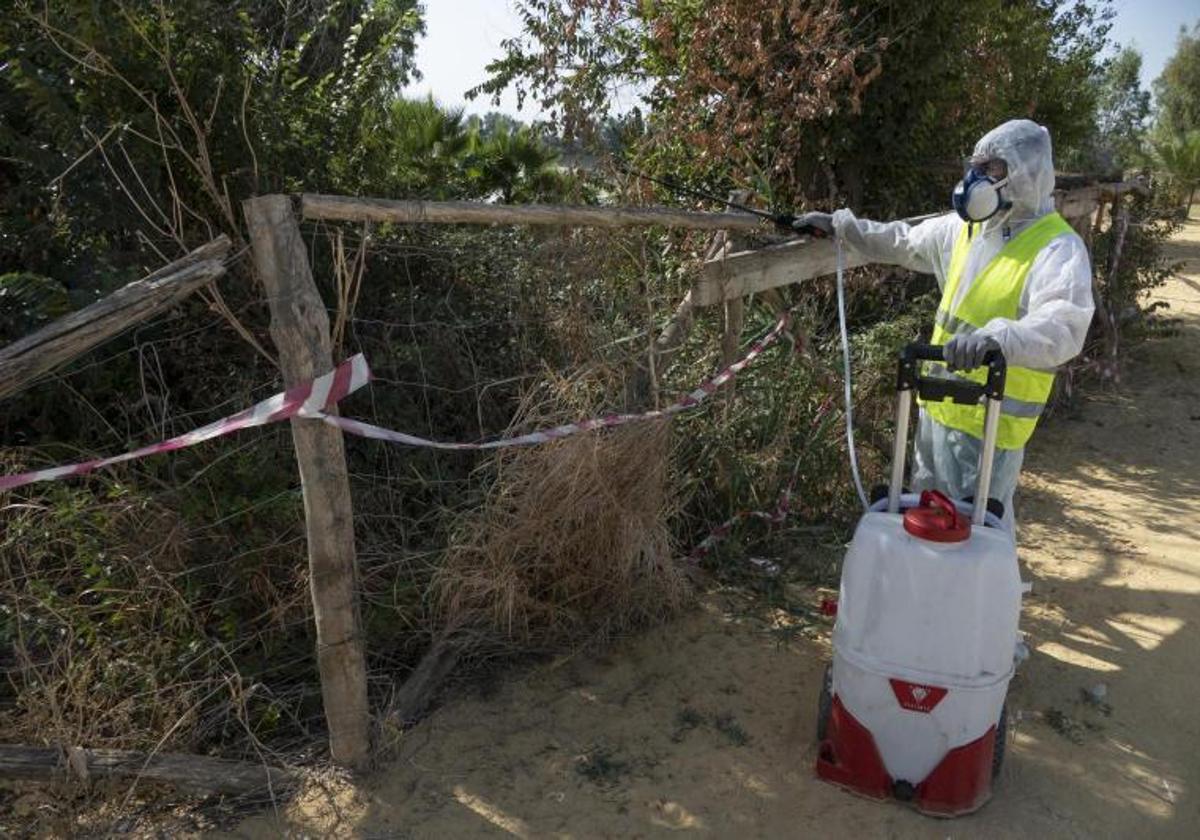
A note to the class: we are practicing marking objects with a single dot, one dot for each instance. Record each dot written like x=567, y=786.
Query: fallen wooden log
x=417, y=694
x=193, y=773
x=25, y=360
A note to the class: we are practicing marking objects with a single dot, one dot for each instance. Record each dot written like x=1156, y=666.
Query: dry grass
x=570, y=545
x=115, y=628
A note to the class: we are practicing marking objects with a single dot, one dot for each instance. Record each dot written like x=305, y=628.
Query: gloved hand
x=818, y=224
x=966, y=352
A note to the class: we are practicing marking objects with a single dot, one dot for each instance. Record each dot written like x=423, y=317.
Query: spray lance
x=785, y=222
x=790, y=223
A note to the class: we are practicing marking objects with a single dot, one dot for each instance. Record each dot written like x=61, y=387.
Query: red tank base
x=960, y=784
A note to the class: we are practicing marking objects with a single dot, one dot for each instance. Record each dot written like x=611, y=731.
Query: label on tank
x=916, y=697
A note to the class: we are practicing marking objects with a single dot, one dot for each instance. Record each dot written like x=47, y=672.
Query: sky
x=462, y=36
x=1150, y=25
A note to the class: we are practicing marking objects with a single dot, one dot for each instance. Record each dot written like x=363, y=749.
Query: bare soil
x=706, y=726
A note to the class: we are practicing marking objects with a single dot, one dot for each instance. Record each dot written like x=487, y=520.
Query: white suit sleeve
x=923, y=247
x=1058, y=308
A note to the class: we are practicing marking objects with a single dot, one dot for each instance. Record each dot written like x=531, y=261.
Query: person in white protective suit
x=1013, y=276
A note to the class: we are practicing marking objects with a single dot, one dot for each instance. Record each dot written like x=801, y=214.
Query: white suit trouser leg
x=948, y=460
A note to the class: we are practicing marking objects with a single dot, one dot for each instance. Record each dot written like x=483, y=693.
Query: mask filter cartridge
x=978, y=197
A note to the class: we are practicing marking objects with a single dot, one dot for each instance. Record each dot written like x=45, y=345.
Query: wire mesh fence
x=165, y=604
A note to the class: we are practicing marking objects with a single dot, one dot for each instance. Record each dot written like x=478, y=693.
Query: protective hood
x=1025, y=147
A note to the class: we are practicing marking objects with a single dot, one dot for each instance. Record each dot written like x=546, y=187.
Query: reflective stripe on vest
x=996, y=293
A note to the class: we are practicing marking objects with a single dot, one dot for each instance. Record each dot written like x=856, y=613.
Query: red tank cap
x=937, y=519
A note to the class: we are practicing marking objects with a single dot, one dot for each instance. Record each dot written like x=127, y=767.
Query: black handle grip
x=919, y=352
x=958, y=390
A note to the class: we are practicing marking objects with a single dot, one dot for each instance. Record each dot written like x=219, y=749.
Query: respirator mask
x=981, y=193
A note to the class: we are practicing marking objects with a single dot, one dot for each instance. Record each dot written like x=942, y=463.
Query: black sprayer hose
x=781, y=220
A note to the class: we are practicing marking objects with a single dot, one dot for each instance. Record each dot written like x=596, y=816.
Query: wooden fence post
x=300, y=329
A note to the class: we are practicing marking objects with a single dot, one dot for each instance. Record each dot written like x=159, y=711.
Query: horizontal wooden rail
x=348, y=209
x=1076, y=204
x=26, y=359
x=1116, y=190
x=194, y=773
x=748, y=272
x=1081, y=202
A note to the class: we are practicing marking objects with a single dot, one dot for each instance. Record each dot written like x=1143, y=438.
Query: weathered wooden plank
x=300, y=329
x=416, y=695
x=25, y=360
x=194, y=773
x=1083, y=202
x=748, y=272
x=743, y=273
x=1078, y=203
x=349, y=209
x=1116, y=190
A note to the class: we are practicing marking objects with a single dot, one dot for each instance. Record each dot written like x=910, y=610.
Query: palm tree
x=1179, y=156
x=433, y=152
x=514, y=161
x=426, y=146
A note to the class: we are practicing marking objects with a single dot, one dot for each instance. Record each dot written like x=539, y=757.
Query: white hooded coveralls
x=1055, y=310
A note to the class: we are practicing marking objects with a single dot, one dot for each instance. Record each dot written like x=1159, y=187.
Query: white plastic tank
x=934, y=616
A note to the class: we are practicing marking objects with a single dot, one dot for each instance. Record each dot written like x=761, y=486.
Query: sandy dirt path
x=706, y=726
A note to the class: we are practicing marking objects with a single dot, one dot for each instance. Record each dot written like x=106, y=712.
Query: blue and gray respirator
x=978, y=196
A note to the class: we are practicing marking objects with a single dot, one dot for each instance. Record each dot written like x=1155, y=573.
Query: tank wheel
x=825, y=704
x=1001, y=738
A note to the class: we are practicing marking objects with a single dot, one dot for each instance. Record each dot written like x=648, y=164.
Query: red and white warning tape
x=311, y=400
x=308, y=399
x=775, y=516
x=691, y=400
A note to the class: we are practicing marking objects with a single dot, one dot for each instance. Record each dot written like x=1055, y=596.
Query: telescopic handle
x=959, y=390
x=910, y=383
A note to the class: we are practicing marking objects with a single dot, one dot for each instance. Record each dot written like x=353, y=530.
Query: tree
x=713, y=74
x=952, y=71
x=512, y=160
x=1179, y=156
x=131, y=127
x=1177, y=121
x=422, y=150
x=809, y=101
x=1177, y=90
x=1122, y=109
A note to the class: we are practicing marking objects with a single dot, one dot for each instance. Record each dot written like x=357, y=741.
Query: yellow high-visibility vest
x=996, y=293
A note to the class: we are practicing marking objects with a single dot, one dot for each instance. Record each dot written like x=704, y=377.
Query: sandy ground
x=707, y=726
